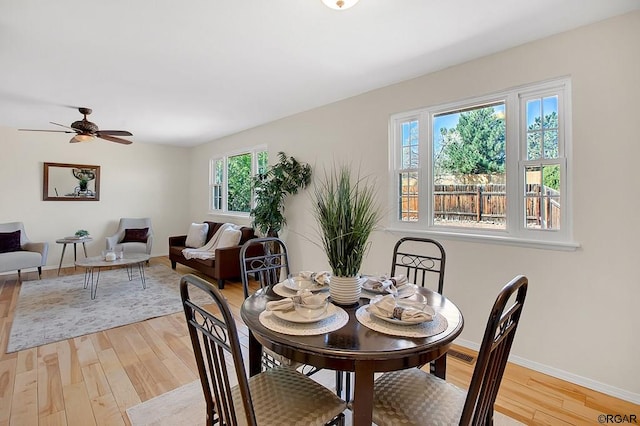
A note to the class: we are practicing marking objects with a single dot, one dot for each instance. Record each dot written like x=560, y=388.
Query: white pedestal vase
x=345, y=290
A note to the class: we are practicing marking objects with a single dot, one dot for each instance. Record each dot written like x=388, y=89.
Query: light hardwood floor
x=93, y=379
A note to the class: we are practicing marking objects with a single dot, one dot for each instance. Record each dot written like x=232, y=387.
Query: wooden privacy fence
x=487, y=203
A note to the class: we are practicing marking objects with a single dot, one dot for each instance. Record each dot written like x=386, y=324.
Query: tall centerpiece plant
x=272, y=187
x=346, y=210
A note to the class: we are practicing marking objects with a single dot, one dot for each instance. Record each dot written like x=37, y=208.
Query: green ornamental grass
x=347, y=212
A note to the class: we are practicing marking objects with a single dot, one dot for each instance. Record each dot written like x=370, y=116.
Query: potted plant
x=271, y=188
x=347, y=212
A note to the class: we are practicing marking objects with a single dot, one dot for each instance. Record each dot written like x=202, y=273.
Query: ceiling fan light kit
x=86, y=130
x=339, y=4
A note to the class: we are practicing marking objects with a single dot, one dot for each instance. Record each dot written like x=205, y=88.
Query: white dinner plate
x=427, y=309
x=293, y=316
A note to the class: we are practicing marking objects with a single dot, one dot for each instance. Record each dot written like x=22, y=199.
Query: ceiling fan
x=86, y=130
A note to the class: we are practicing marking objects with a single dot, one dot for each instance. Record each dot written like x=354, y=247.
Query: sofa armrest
x=42, y=248
x=179, y=240
x=227, y=262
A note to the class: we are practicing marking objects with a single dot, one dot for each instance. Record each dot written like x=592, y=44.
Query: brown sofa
x=225, y=265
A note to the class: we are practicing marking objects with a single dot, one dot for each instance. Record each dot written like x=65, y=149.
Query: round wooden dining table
x=354, y=347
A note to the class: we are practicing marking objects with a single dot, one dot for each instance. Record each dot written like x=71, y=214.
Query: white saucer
x=293, y=316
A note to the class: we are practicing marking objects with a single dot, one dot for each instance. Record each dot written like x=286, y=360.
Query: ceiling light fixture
x=339, y=4
x=81, y=138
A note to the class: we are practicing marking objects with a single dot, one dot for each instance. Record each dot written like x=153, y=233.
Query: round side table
x=74, y=241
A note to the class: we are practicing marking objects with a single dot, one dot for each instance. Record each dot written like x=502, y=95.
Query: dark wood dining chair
x=277, y=396
x=266, y=260
x=421, y=260
x=412, y=397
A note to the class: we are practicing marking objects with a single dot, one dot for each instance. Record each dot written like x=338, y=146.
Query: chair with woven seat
x=277, y=396
x=429, y=400
x=422, y=261
x=267, y=261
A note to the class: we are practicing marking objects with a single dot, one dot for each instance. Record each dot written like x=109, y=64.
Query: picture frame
x=71, y=182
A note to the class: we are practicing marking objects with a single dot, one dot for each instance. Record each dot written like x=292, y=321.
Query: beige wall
x=136, y=180
x=581, y=320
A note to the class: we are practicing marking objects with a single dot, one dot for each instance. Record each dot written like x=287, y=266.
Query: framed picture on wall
x=71, y=182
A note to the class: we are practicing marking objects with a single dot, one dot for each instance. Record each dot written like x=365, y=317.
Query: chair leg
x=19, y=276
x=39, y=272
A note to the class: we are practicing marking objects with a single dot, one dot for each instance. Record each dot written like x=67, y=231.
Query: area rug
x=185, y=406
x=60, y=308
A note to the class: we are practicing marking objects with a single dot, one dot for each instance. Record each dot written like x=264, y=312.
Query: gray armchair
x=130, y=238
x=27, y=255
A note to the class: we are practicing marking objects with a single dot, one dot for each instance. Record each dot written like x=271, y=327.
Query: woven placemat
x=334, y=322
x=425, y=329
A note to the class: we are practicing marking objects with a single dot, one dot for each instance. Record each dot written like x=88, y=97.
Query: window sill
x=491, y=239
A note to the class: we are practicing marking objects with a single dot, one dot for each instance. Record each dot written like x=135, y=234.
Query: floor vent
x=461, y=356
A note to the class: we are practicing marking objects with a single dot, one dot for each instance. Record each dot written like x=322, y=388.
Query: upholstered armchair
x=134, y=235
x=17, y=252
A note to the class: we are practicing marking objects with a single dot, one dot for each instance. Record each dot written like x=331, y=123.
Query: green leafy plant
x=346, y=211
x=272, y=187
x=82, y=233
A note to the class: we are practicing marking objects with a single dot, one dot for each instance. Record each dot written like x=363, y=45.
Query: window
x=492, y=167
x=230, y=180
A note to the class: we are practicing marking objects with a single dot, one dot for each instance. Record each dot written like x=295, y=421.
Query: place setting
x=398, y=286
x=304, y=280
x=402, y=316
x=305, y=308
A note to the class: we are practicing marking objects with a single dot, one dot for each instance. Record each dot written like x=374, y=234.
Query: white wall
x=580, y=320
x=137, y=180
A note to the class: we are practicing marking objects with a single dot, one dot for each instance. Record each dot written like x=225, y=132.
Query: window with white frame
x=230, y=180
x=491, y=167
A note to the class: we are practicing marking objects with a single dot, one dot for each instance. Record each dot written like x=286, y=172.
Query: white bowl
x=311, y=311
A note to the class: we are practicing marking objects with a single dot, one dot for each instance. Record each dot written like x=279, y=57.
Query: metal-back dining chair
x=422, y=260
x=411, y=395
x=267, y=261
x=277, y=396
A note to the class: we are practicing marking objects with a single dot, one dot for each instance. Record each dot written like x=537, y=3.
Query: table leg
x=64, y=246
x=363, y=394
x=255, y=355
x=75, y=256
x=85, y=249
x=94, y=284
x=142, y=278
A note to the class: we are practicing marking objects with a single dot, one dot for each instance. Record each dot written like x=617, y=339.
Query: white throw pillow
x=197, y=235
x=230, y=237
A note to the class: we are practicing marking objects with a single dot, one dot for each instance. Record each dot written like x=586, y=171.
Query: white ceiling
x=188, y=72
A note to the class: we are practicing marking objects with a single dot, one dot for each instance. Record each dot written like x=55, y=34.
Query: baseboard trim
x=563, y=375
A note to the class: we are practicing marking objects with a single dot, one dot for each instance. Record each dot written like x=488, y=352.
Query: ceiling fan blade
x=114, y=139
x=62, y=125
x=114, y=132
x=39, y=130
